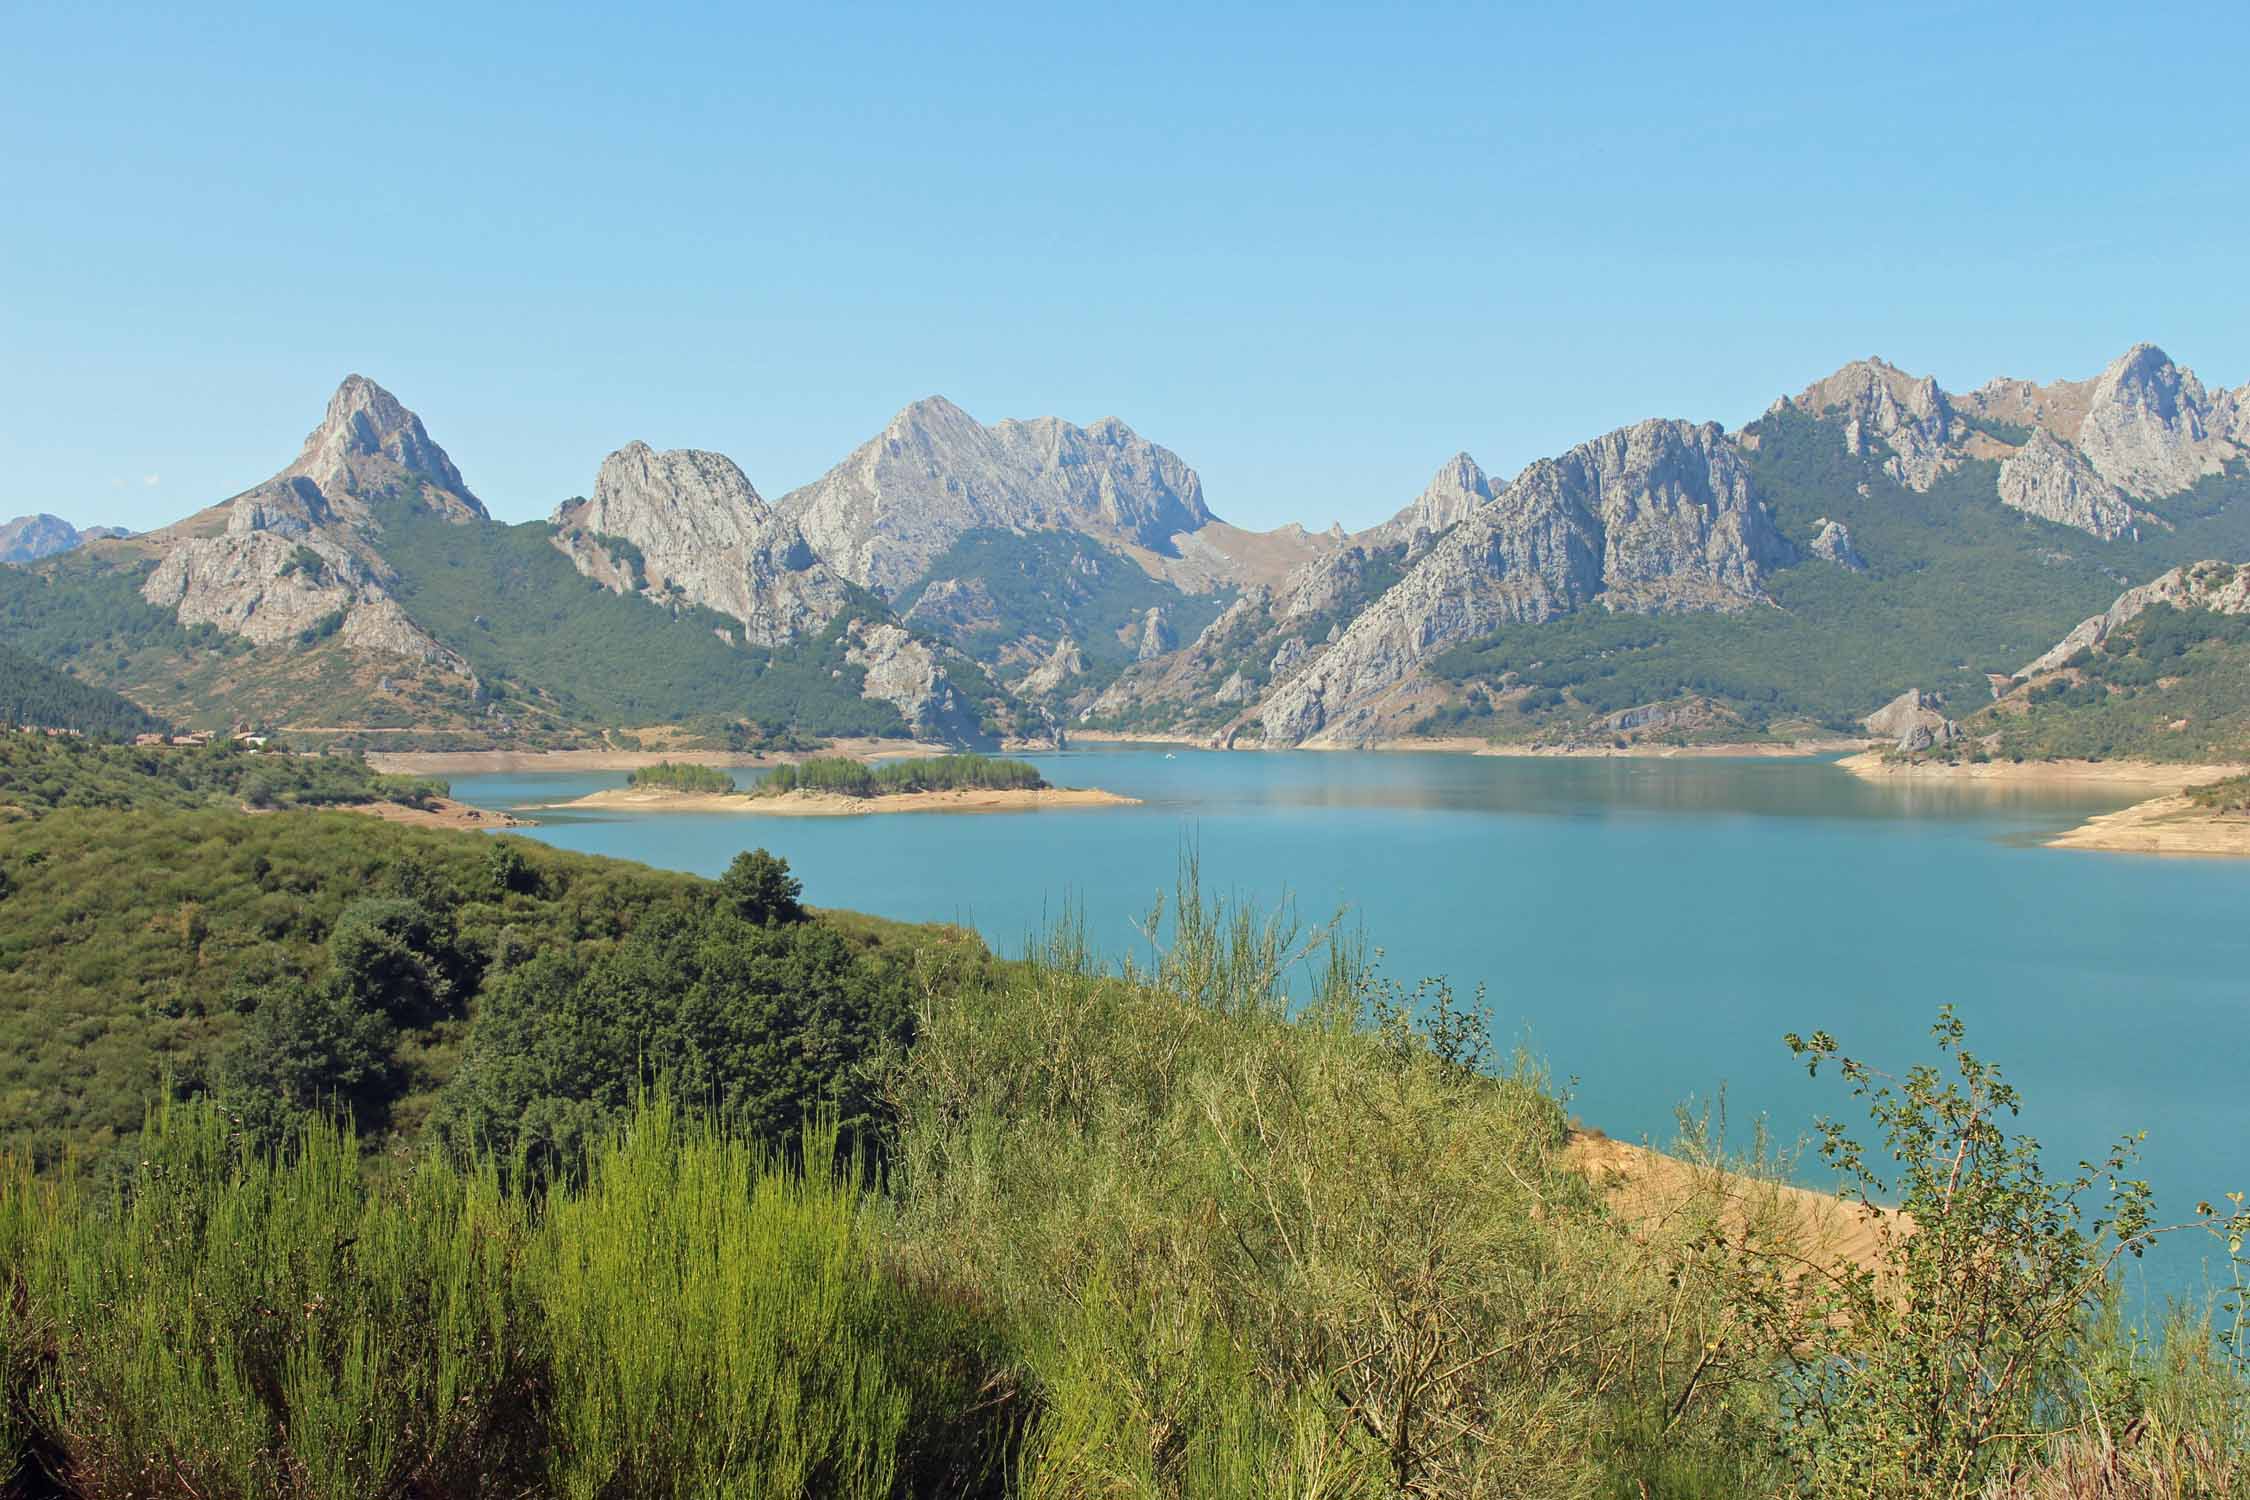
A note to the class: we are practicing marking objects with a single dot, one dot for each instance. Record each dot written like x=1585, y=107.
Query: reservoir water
x=1650, y=927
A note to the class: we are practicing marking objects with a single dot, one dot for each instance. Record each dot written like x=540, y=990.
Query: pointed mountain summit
x=1877, y=401
x=884, y=514
x=295, y=556
x=1458, y=488
x=367, y=445
x=700, y=533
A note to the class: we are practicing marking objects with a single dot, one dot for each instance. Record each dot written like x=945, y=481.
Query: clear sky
x=1315, y=250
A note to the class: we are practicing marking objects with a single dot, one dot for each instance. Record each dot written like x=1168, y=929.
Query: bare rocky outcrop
x=2055, y=483
x=1913, y=721
x=885, y=513
x=1055, y=673
x=1878, y=402
x=1156, y=634
x=1653, y=517
x=703, y=536
x=957, y=606
x=2152, y=430
x=295, y=554
x=909, y=674
x=2222, y=588
x=1457, y=488
x=1833, y=543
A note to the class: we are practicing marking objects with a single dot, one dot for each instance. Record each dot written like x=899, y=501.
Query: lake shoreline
x=811, y=804
x=1466, y=745
x=505, y=762
x=2172, y=825
x=2171, y=778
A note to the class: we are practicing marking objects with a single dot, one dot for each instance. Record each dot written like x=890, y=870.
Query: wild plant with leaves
x=1962, y=1354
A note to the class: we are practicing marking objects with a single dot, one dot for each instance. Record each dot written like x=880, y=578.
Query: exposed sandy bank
x=2161, y=825
x=1647, y=1187
x=485, y=762
x=1727, y=750
x=443, y=812
x=835, y=805
x=2147, y=773
x=1469, y=745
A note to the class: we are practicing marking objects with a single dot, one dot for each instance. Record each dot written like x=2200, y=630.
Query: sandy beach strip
x=2167, y=776
x=804, y=804
x=2162, y=825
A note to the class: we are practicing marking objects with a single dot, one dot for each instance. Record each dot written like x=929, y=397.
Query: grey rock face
x=1054, y=674
x=2046, y=479
x=1880, y=402
x=1156, y=634
x=2152, y=430
x=956, y=606
x=295, y=549
x=882, y=515
x=1325, y=584
x=30, y=538
x=1292, y=654
x=367, y=443
x=1834, y=544
x=910, y=676
x=706, y=538
x=1652, y=517
x=1913, y=721
x=1457, y=488
x=2220, y=587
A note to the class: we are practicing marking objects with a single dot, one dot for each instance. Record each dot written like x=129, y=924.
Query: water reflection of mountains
x=1605, y=787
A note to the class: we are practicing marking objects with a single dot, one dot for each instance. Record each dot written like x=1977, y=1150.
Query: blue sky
x=1315, y=249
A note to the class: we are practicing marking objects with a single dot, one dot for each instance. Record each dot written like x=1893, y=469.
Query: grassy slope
x=1958, y=585
x=134, y=941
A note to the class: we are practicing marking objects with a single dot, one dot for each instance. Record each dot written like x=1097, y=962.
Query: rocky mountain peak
x=1456, y=489
x=699, y=533
x=887, y=511
x=2151, y=429
x=1879, y=402
x=368, y=442
x=29, y=538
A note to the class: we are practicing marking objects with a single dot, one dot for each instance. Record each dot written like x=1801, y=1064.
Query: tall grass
x=695, y=1321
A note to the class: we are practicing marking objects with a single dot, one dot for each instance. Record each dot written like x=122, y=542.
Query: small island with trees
x=837, y=786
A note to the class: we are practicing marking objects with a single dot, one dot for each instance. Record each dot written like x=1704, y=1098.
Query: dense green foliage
x=696, y=1320
x=1958, y=585
x=85, y=608
x=1048, y=585
x=39, y=696
x=39, y=772
x=682, y=776
x=745, y=1006
x=1152, y=1233
x=510, y=602
x=2169, y=685
x=937, y=773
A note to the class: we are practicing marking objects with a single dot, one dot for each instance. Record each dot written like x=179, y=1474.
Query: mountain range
x=1869, y=535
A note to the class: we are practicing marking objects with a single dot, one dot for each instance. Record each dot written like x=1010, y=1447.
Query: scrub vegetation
x=462, y=1166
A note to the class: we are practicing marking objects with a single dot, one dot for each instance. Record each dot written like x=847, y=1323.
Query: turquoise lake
x=1649, y=927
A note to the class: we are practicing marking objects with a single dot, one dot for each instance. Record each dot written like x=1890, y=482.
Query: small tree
x=1944, y=1366
x=758, y=888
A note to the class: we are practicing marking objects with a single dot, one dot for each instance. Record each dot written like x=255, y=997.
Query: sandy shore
x=487, y=762
x=1469, y=745
x=834, y=805
x=2131, y=773
x=1650, y=1188
x=443, y=812
x=1725, y=750
x=2161, y=825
